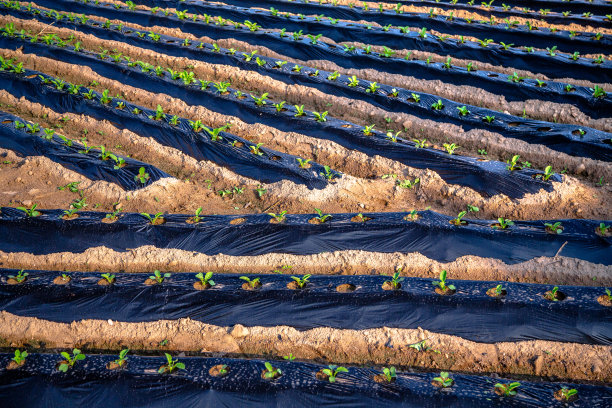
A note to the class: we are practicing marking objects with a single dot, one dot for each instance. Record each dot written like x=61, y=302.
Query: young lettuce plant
x=20, y=277
x=30, y=212
x=395, y=283
x=548, y=173
x=441, y=286
x=565, y=394
x=322, y=217
x=270, y=372
x=502, y=223
x=507, y=390
x=301, y=283
x=555, y=228
x=158, y=277
x=20, y=357
x=251, y=283
x=142, y=176
x=278, y=217
x=122, y=360
x=108, y=278
x=328, y=174
x=332, y=372
x=70, y=361
x=171, y=365
x=443, y=381
x=205, y=280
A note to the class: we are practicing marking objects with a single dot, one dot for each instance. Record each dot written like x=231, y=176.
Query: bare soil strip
x=386, y=346
x=558, y=270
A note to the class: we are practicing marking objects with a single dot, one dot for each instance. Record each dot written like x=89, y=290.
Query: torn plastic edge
x=430, y=234
x=537, y=61
x=577, y=146
x=581, y=97
x=271, y=166
x=520, y=35
x=472, y=311
x=89, y=382
x=461, y=170
x=89, y=164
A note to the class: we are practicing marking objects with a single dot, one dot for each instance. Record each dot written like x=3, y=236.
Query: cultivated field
x=305, y=203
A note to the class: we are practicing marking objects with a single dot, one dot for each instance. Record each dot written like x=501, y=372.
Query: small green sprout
x=489, y=119
x=437, y=105
x=450, y=147
x=142, y=176
x=290, y=357
x=332, y=372
x=555, y=228
x=420, y=144
x=20, y=357
x=278, y=217
x=301, y=282
x=503, y=223
x=253, y=283
x=322, y=217
x=320, y=117
x=279, y=106
x=389, y=374
x=256, y=149
x=566, y=394
x=171, y=365
x=70, y=360
x=158, y=276
x=108, y=277
x=261, y=100
x=395, y=281
x=328, y=173
x=444, y=380
x=30, y=212
x=513, y=163
x=442, y=282
x=270, y=372
x=422, y=346
x=205, y=280
x=548, y=173
x=463, y=110
x=507, y=390
x=603, y=228
x=299, y=109
x=20, y=277
x=554, y=292
x=122, y=360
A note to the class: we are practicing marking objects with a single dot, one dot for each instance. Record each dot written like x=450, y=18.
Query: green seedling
x=499, y=290
x=215, y=134
x=158, y=276
x=508, y=390
x=421, y=144
x=328, y=173
x=30, y=212
x=253, y=283
x=503, y=223
x=608, y=295
x=153, y=218
x=20, y=277
x=555, y=228
x=260, y=191
x=393, y=136
x=437, y=105
x=290, y=357
x=70, y=360
x=332, y=372
x=450, y=147
x=444, y=380
x=301, y=282
x=603, y=228
x=303, y=163
x=110, y=278
x=512, y=164
x=463, y=111
x=320, y=117
x=271, y=372
x=598, y=92
x=171, y=365
x=389, y=374
x=422, y=346
x=205, y=280
x=408, y=184
x=278, y=217
x=548, y=173
x=122, y=360
x=20, y=357
x=256, y=149
x=322, y=217
x=353, y=81
x=261, y=100
x=280, y=106
x=396, y=281
x=442, y=282
x=566, y=393
x=299, y=109
x=142, y=176
x=368, y=130
x=489, y=119
x=554, y=292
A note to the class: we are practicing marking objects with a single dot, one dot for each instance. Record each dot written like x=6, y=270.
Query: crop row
x=545, y=62
x=488, y=177
x=436, y=236
x=94, y=162
x=396, y=25
x=507, y=311
x=238, y=154
x=486, y=9
x=576, y=141
x=101, y=379
x=594, y=102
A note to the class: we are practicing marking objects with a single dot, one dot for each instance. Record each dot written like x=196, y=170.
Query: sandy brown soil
x=382, y=346
x=557, y=270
